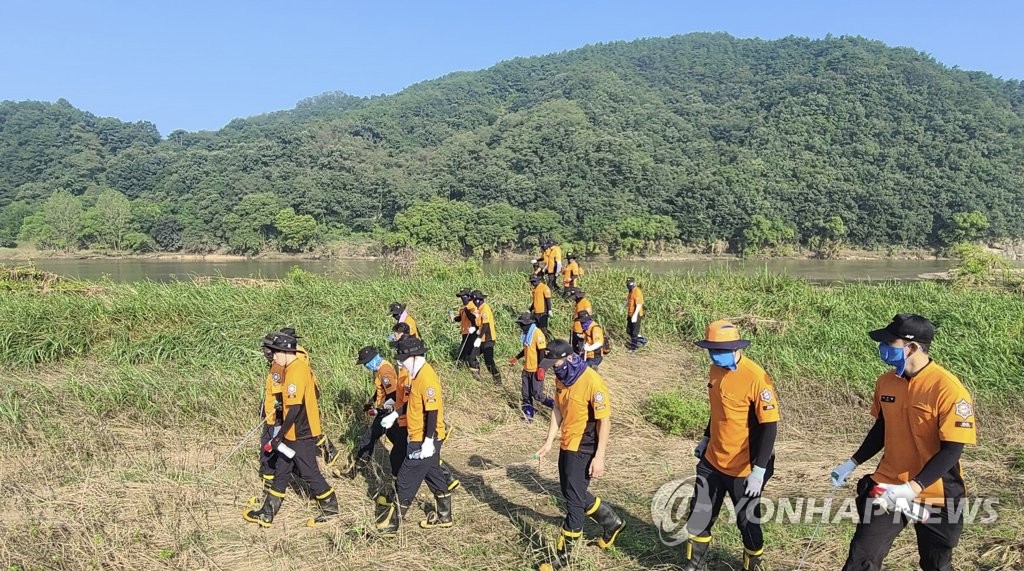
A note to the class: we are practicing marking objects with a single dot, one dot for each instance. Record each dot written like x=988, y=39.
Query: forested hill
x=698, y=138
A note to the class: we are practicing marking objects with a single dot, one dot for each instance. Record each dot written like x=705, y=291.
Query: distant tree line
x=704, y=140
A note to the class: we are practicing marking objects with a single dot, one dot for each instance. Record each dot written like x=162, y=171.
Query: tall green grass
x=135, y=334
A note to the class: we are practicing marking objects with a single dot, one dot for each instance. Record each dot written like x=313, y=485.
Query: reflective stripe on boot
x=328, y=502
x=453, y=482
x=752, y=560
x=694, y=550
x=265, y=515
x=392, y=520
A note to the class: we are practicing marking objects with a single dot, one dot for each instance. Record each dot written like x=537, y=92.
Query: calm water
x=166, y=270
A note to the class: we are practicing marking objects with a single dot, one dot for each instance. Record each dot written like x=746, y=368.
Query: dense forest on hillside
x=701, y=139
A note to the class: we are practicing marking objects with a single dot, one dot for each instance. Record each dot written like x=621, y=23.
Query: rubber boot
x=392, y=519
x=265, y=515
x=563, y=550
x=442, y=514
x=496, y=377
x=528, y=413
x=328, y=509
x=475, y=373
x=385, y=497
x=610, y=522
x=752, y=560
x=549, y=402
x=453, y=482
x=694, y=550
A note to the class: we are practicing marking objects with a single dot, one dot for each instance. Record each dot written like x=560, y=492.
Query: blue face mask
x=893, y=356
x=375, y=363
x=570, y=370
x=723, y=358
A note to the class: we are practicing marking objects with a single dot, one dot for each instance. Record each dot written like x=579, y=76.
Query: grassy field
x=122, y=399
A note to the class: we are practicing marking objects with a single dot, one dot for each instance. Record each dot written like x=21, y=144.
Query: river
x=134, y=269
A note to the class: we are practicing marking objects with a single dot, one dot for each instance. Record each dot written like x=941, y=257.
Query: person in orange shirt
x=534, y=343
x=466, y=319
x=401, y=315
x=634, y=313
x=581, y=421
x=295, y=439
x=923, y=418
x=541, y=303
x=426, y=426
x=554, y=267
x=594, y=347
x=485, y=340
x=737, y=453
x=582, y=304
x=385, y=382
x=572, y=272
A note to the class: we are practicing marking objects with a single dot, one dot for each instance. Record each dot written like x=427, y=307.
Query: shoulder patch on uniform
x=766, y=395
x=598, y=396
x=386, y=381
x=431, y=392
x=964, y=409
x=276, y=377
x=292, y=389
x=964, y=424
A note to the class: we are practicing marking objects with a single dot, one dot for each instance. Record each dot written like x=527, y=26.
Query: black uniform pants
x=553, y=281
x=487, y=350
x=876, y=531
x=466, y=348
x=574, y=479
x=633, y=330
x=709, y=492
x=376, y=431
x=399, y=437
x=303, y=464
x=413, y=472
x=533, y=389
x=542, y=322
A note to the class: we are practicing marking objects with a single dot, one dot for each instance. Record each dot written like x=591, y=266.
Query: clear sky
x=194, y=65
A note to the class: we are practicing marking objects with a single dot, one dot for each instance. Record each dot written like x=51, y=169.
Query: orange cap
x=722, y=334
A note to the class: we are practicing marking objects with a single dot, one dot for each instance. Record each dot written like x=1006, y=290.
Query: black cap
x=576, y=293
x=409, y=346
x=630, y=281
x=464, y=292
x=396, y=308
x=526, y=319
x=583, y=315
x=570, y=256
x=557, y=349
x=366, y=354
x=280, y=342
x=290, y=331
x=906, y=326
x=401, y=327
x=535, y=279
x=477, y=294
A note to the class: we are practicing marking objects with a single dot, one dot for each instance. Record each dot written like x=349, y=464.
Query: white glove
x=425, y=451
x=701, y=447
x=477, y=343
x=755, y=481
x=633, y=319
x=389, y=420
x=896, y=498
x=471, y=330
x=841, y=472
x=389, y=405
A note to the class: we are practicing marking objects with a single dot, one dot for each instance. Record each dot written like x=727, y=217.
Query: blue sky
x=197, y=65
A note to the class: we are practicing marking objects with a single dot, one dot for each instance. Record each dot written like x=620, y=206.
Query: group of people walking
x=924, y=417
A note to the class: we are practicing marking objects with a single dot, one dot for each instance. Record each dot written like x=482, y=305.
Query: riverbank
x=156, y=383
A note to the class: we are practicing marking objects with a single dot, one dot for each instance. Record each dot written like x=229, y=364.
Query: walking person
x=534, y=343
x=466, y=319
x=737, y=453
x=401, y=315
x=581, y=302
x=594, y=346
x=554, y=267
x=426, y=426
x=572, y=272
x=634, y=314
x=486, y=338
x=923, y=418
x=541, y=304
x=385, y=382
x=581, y=421
x=297, y=435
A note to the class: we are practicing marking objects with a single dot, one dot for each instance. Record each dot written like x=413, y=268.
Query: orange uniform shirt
x=737, y=398
x=540, y=293
x=413, y=330
x=583, y=304
x=299, y=389
x=385, y=380
x=402, y=395
x=594, y=334
x=571, y=273
x=581, y=405
x=635, y=298
x=465, y=322
x=530, y=350
x=424, y=396
x=485, y=316
x=274, y=388
x=554, y=256
x=931, y=407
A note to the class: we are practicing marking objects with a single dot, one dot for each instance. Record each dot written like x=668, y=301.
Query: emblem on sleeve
x=385, y=381
x=430, y=393
x=598, y=397
x=292, y=389
x=276, y=377
x=766, y=395
x=964, y=409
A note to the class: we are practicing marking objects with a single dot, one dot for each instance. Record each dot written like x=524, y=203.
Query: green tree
x=298, y=232
x=11, y=218
x=965, y=227
x=765, y=234
x=57, y=225
x=113, y=217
